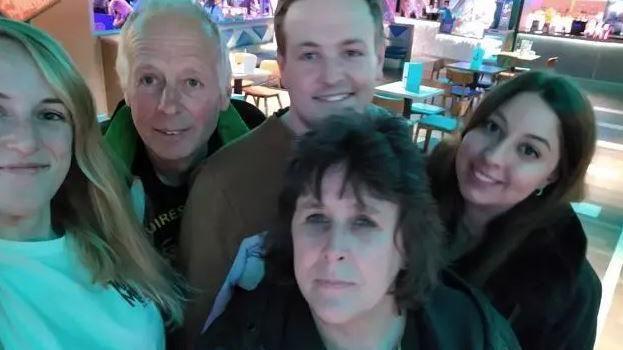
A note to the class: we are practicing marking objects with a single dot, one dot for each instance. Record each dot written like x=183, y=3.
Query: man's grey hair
x=189, y=8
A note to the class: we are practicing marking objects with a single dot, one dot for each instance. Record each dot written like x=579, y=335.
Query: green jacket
x=123, y=139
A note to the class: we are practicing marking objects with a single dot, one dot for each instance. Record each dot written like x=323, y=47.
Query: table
x=482, y=69
x=514, y=59
x=519, y=56
x=397, y=89
x=477, y=70
x=238, y=75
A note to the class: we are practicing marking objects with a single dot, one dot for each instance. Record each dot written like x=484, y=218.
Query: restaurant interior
x=440, y=61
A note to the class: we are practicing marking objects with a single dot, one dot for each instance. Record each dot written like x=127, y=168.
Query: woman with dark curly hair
x=355, y=259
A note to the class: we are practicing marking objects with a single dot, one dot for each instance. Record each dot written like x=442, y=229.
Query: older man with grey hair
x=175, y=77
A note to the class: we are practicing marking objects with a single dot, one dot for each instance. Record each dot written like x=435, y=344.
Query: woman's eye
x=364, y=221
x=52, y=115
x=316, y=219
x=529, y=151
x=194, y=83
x=491, y=126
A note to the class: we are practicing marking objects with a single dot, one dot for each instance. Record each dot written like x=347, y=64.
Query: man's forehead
x=174, y=26
x=308, y=21
x=179, y=54
x=170, y=42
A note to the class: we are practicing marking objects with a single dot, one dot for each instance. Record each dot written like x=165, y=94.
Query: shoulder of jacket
x=498, y=333
x=227, y=164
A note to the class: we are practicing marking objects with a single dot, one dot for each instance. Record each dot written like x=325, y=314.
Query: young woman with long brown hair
x=504, y=192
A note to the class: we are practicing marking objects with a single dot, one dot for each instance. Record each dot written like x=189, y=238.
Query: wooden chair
x=274, y=80
x=430, y=123
x=462, y=88
x=438, y=65
x=442, y=122
x=390, y=103
x=270, y=88
x=425, y=108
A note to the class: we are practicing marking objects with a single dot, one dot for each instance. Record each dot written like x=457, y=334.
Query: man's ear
x=380, y=56
x=281, y=62
x=224, y=101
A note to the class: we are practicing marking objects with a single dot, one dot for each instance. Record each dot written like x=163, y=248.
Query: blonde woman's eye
x=52, y=115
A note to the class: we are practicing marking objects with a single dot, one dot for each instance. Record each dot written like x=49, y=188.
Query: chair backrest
x=437, y=84
x=438, y=65
x=274, y=80
x=390, y=103
x=272, y=66
x=551, y=62
x=460, y=77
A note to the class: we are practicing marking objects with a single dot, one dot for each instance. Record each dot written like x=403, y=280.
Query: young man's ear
x=380, y=57
x=281, y=62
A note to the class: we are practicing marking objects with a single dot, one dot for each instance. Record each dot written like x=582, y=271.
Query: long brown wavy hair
x=577, y=145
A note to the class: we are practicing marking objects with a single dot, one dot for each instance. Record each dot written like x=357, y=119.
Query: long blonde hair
x=92, y=204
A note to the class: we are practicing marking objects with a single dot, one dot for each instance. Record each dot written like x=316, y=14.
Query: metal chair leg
x=415, y=134
x=429, y=133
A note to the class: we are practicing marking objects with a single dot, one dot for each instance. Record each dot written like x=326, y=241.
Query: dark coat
x=276, y=317
x=546, y=287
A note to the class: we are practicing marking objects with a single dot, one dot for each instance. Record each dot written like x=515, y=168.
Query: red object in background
x=24, y=10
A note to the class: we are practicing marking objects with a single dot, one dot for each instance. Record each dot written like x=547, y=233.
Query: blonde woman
x=76, y=271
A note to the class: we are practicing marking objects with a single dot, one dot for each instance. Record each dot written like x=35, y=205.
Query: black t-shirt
x=164, y=204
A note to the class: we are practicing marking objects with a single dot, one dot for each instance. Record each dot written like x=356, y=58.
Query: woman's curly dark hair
x=379, y=157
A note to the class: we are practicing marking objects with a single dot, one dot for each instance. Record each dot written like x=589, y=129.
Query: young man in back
x=330, y=55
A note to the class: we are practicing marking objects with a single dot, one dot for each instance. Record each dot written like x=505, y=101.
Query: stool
x=435, y=122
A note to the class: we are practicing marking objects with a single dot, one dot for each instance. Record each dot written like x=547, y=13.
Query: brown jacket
x=234, y=196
